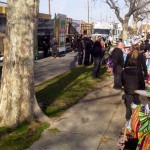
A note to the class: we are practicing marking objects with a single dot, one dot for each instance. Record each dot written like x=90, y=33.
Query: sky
x=78, y=10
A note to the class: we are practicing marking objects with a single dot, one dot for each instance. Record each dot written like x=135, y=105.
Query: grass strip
x=21, y=137
x=58, y=94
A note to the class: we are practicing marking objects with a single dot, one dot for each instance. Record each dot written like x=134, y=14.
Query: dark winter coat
x=132, y=79
x=147, y=45
x=88, y=47
x=141, y=63
x=117, y=57
x=97, y=50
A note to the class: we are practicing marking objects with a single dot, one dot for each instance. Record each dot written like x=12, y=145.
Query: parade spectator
x=80, y=50
x=118, y=64
x=147, y=43
x=54, y=45
x=148, y=61
x=132, y=79
x=88, y=49
x=142, y=46
x=45, y=47
x=92, y=40
x=98, y=55
x=141, y=60
x=110, y=62
x=136, y=135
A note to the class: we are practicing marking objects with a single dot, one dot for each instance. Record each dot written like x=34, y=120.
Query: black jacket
x=117, y=57
x=88, y=46
x=132, y=79
x=147, y=45
x=141, y=63
x=97, y=50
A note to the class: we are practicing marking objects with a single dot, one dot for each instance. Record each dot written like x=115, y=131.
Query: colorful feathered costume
x=139, y=127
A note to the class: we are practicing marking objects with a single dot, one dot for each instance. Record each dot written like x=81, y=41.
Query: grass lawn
x=54, y=96
x=22, y=137
x=61, y=92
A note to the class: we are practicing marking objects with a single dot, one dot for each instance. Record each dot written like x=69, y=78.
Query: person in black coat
x=132, y=79
x=97, y=53
x=80, y=50
x=118, y=64
x=88, y=49
x=147, y=43
x=45, y=47
x=141, y=60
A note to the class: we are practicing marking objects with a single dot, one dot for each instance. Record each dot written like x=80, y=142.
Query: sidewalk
x=92, y=124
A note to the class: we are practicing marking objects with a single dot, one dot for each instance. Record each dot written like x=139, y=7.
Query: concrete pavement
x=92, y=124
x=49, y=67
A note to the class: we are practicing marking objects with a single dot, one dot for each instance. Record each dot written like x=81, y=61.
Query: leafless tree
x=130, y=7
x=17, y=99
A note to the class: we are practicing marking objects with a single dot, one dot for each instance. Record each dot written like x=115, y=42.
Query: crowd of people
x=129, y=65
x=91, y=50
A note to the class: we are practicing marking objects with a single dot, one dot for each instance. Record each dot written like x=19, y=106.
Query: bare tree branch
x=114, y=7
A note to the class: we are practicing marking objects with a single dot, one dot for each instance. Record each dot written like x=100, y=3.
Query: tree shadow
x=65, y=84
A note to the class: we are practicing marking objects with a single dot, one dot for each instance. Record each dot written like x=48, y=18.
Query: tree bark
x=17, y=99
x=135, y=28
x=125, y=29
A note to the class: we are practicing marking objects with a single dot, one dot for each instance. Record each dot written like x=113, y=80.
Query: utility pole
x=49, y=7
x=88, y=10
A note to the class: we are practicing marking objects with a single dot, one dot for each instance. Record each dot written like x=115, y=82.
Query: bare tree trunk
x=17, y=99
x=125, y=29
x=135, y=29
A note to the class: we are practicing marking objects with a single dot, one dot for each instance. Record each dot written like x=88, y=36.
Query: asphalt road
x=49, y=67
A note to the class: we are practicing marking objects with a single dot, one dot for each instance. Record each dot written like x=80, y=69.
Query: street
x=49, y=67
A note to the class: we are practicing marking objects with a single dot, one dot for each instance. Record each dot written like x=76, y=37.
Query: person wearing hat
x=136, y=135
x=118, y=64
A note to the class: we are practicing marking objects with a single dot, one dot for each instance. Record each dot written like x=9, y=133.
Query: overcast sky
x=78, y=9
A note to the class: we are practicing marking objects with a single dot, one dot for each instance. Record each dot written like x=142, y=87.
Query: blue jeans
x=117, y=70
x=96, y=69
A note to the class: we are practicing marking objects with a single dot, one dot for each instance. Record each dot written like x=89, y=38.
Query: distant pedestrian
x=98, y=55
x=54, y=45
x=80, y=50
x=118, y=64
x=45, y=47
x=88, y=49
x=92, y=40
